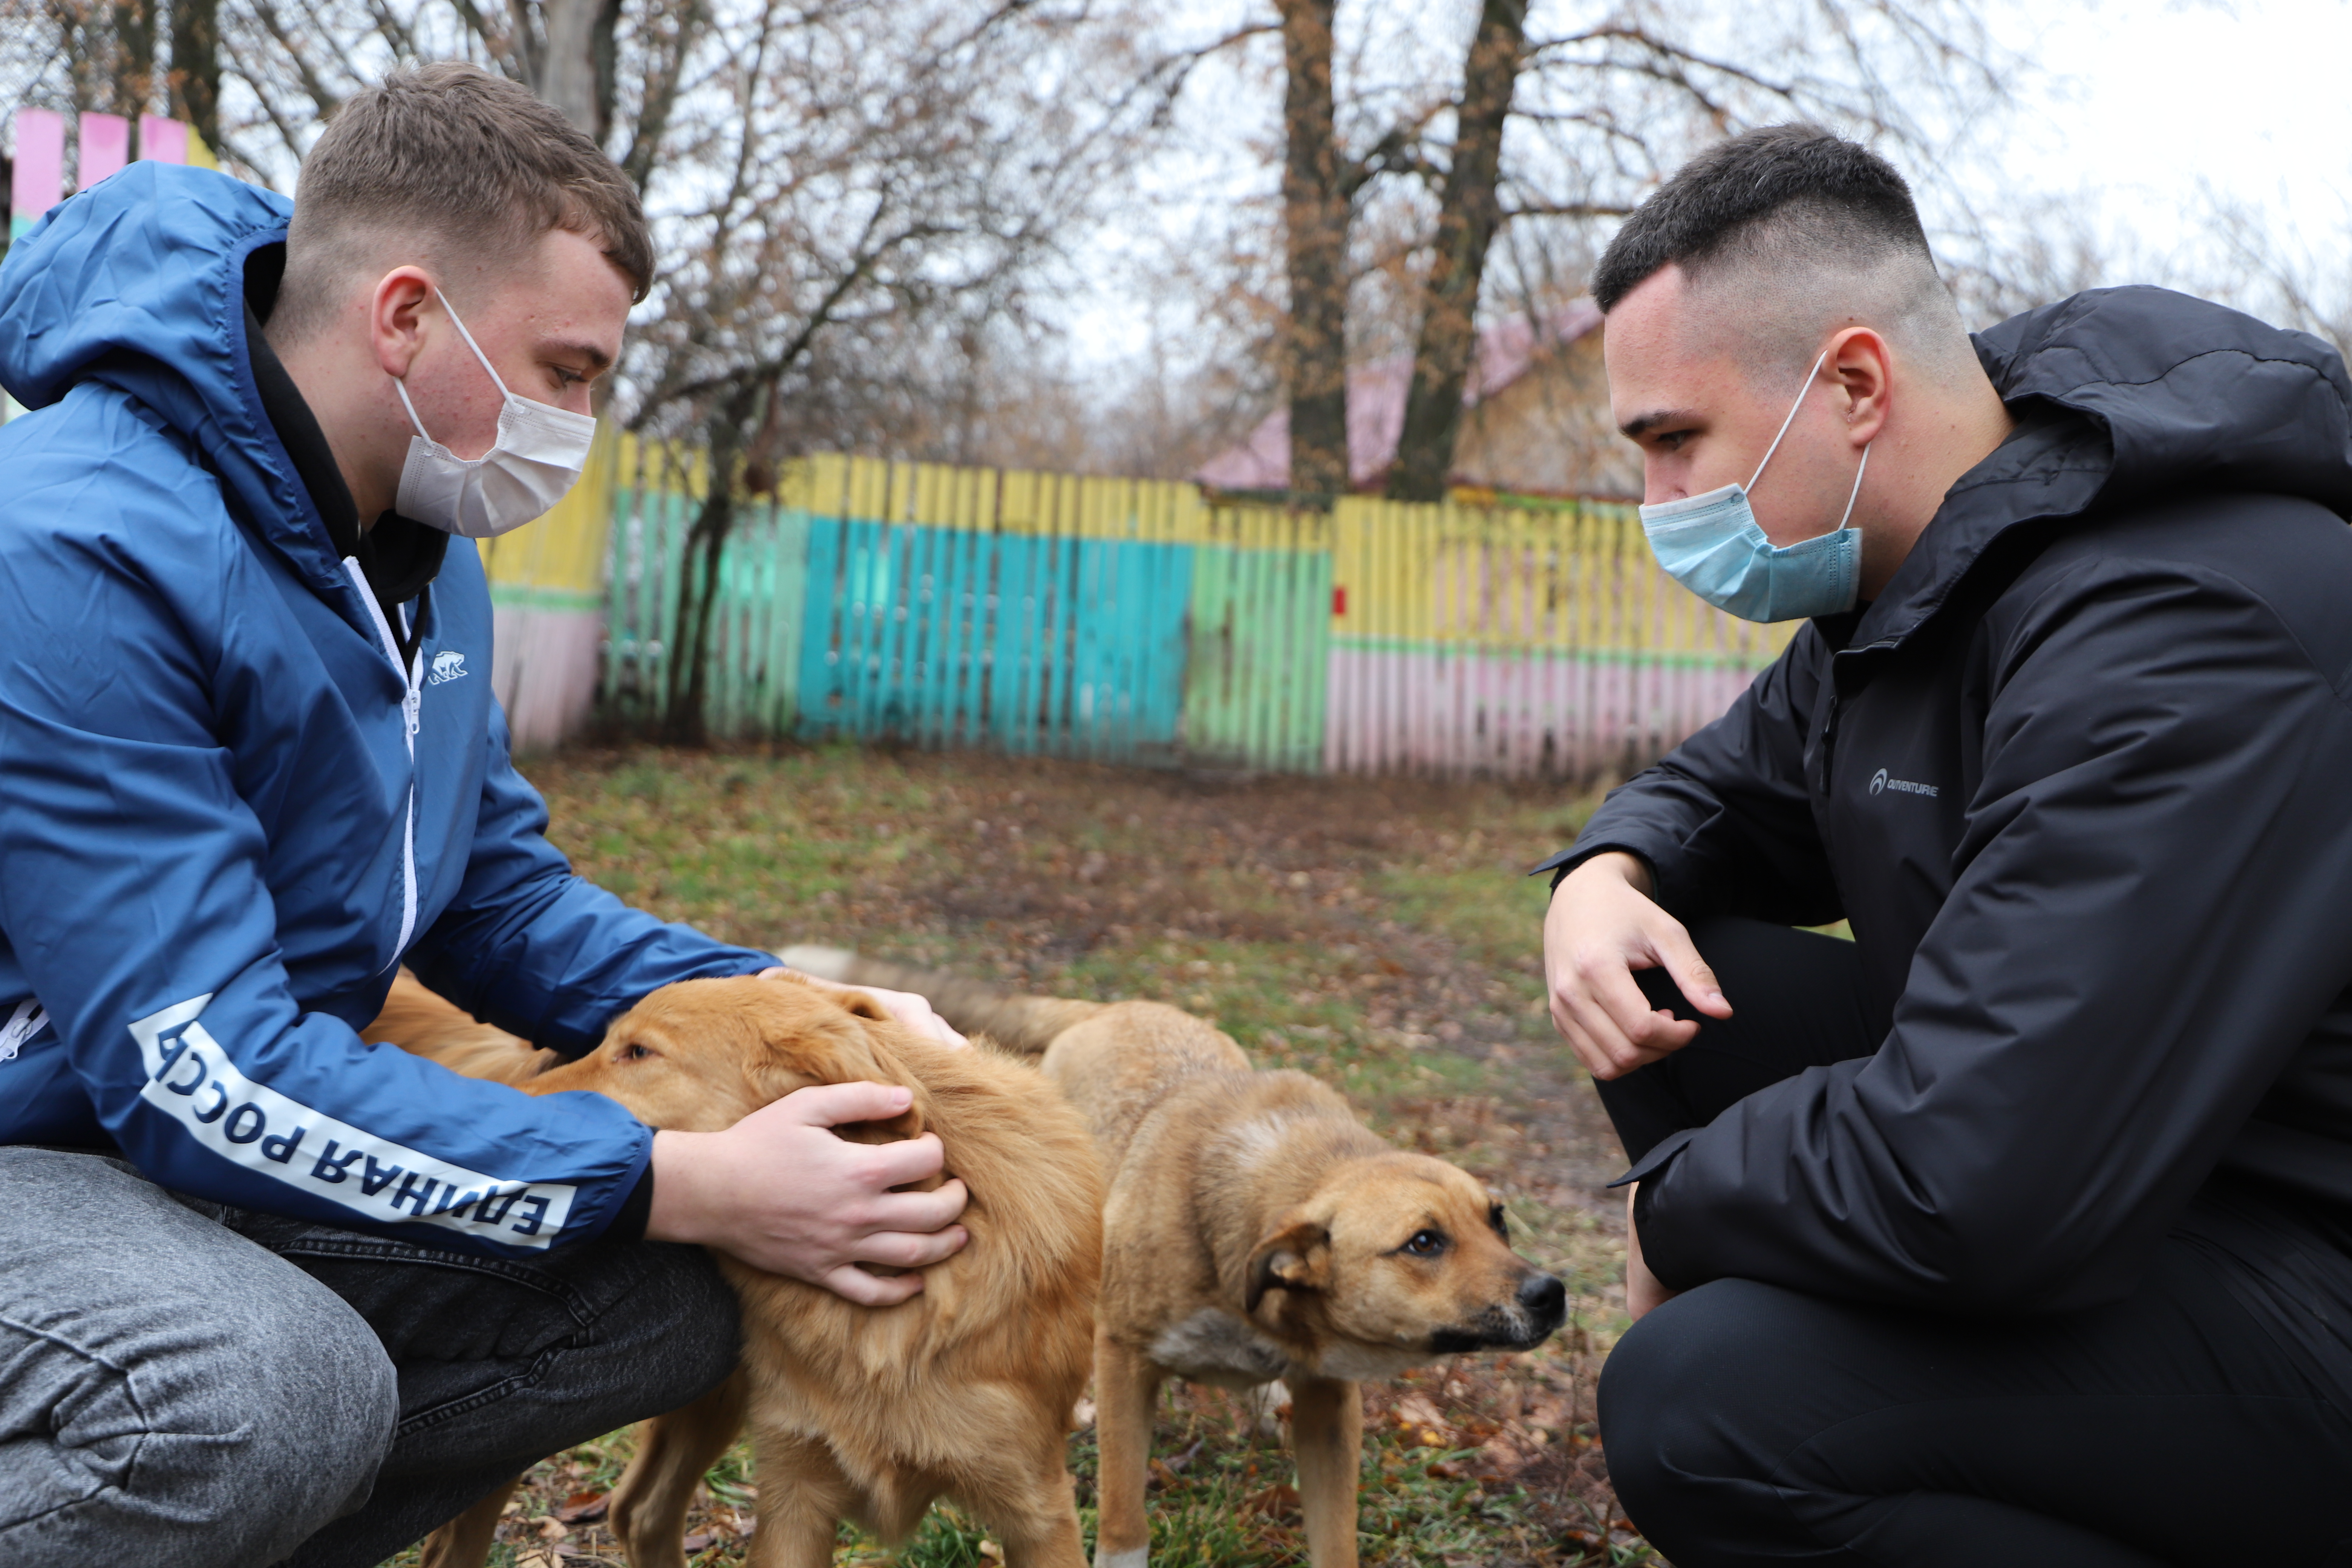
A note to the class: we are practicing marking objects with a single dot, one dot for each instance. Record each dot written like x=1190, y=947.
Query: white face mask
x=537, y=457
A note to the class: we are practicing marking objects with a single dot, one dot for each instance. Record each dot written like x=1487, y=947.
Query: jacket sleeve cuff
x=1566, y=860
x=636, y=1210
x=1660, y=1156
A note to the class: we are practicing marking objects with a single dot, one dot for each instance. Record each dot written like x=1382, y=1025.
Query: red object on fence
x=1339, y=599
x=105, y=148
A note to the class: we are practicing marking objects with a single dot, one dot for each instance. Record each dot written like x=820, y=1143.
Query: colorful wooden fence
x=1136, y=620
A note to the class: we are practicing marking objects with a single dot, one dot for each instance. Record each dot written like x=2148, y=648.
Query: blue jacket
x=220, y=828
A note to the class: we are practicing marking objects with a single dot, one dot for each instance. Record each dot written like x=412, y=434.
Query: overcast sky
x=2144, y=99
x=2129, y=110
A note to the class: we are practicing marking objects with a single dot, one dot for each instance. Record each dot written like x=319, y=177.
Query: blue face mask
x=1711, y=545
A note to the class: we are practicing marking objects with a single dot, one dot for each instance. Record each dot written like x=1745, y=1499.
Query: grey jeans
x=187, y=1383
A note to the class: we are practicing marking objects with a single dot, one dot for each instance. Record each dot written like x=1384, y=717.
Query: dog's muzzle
x=1524, y=1322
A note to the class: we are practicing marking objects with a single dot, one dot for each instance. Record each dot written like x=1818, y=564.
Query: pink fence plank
x=1518, y=714
x=105, y=148
x=161, y=140
x=38, y=182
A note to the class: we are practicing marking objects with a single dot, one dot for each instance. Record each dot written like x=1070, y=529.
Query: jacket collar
x=2122, y=393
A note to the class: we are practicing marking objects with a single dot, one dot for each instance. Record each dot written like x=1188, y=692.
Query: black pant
x=1750, y=1424
x=503, y=1362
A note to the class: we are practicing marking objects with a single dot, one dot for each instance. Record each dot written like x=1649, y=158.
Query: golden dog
x=1254, y=1230
x=863, y=1413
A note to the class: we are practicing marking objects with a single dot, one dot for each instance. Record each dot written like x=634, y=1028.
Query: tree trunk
x=574, y=63
x=1315, y=211
x=1467, y=215
x=735, y=461
x=134, y=64
x=195, y=68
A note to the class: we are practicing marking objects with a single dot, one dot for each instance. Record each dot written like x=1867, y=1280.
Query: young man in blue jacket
x=268, y=1293
x=2017, y=1230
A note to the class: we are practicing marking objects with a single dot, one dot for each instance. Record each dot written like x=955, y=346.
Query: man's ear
x=1294, y=1256
x=1863, y=366
x=396, y=308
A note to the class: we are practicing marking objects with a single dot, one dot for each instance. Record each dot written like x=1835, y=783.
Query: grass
x=1379, y=934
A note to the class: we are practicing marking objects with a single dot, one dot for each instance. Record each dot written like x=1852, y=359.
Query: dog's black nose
x=1545, y=1297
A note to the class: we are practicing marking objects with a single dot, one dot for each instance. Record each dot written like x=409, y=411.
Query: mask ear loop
x=1860, y=468
x=501, y=386
x=1792, y=419
x=400, y=383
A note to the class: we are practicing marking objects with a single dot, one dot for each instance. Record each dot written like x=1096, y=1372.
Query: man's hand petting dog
x=1602, y=925
x=779, y=1191
x=913, y=1011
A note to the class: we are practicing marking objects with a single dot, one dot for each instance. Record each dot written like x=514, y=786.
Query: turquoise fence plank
x=1128, y=668
x=1018, y=615
x=821, y=682
x=925, y=682
x=961, y=597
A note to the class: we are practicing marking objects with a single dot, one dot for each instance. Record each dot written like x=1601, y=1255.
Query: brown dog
x=1254, y=1230
x=863, y=1413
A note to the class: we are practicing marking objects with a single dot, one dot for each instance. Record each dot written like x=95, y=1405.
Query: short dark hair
x=1838, y=197
x=461, y=157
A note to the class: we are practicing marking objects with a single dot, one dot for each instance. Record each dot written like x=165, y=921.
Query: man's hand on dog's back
x=780, y=1191
x=1603, y=926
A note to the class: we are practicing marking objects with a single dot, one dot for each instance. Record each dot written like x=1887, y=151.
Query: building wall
x=1550, y=432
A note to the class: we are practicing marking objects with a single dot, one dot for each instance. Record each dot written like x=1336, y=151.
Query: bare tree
x=1549, y=125
x=1468, y=214
x=1316, y=194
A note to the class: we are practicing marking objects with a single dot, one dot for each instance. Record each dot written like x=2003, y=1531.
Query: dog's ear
x=859, y=1004
x=836, y=1041
x=1295, y=1256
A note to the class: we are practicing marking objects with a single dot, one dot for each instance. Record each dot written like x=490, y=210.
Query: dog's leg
x=1125, y=1386
x=803, y=1497
x=465, y=1541
x=1028, y=1499
x=648, y=1511
x=1326, y=1431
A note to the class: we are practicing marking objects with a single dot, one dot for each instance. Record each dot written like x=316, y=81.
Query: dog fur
x=1254, y=1230
x=869, y=1414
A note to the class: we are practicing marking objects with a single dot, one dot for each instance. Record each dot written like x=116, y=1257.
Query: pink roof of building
x=1376, y=399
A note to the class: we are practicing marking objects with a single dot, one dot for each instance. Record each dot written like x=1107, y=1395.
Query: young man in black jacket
x=2019, y=1229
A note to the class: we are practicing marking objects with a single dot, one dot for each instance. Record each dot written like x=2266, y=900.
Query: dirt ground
x=1381, y=933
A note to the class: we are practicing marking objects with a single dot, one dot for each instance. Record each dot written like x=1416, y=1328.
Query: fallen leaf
x=992, y=1551
x=1413, y=1410
x=1083, y=1416
x=550, y=1528
x=584, y=1508
x=1276, y=1501
x=693, y=1544
x=535, y=1556
x=1444, y=1470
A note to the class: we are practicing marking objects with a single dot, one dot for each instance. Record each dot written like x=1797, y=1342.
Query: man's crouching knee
x=220, y=1433
x=1688, y=1402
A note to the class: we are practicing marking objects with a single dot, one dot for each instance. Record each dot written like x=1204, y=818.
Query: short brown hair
x=1827, y=197
x=455, y=156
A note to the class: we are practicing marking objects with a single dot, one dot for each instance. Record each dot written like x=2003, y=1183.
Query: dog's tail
x=1024, y=1026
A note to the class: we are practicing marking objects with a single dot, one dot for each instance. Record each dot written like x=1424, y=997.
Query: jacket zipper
x=412, y=704
x=1829, y=744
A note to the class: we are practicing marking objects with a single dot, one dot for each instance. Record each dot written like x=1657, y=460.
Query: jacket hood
x=2126, y=393
x=139, y=284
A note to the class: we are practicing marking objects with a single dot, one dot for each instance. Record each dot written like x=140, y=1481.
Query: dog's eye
x=1425, y=1244
x=1500, y=1221
x=633, y=1053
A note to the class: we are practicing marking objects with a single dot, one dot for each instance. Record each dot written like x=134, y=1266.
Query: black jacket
x=2082, y=780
